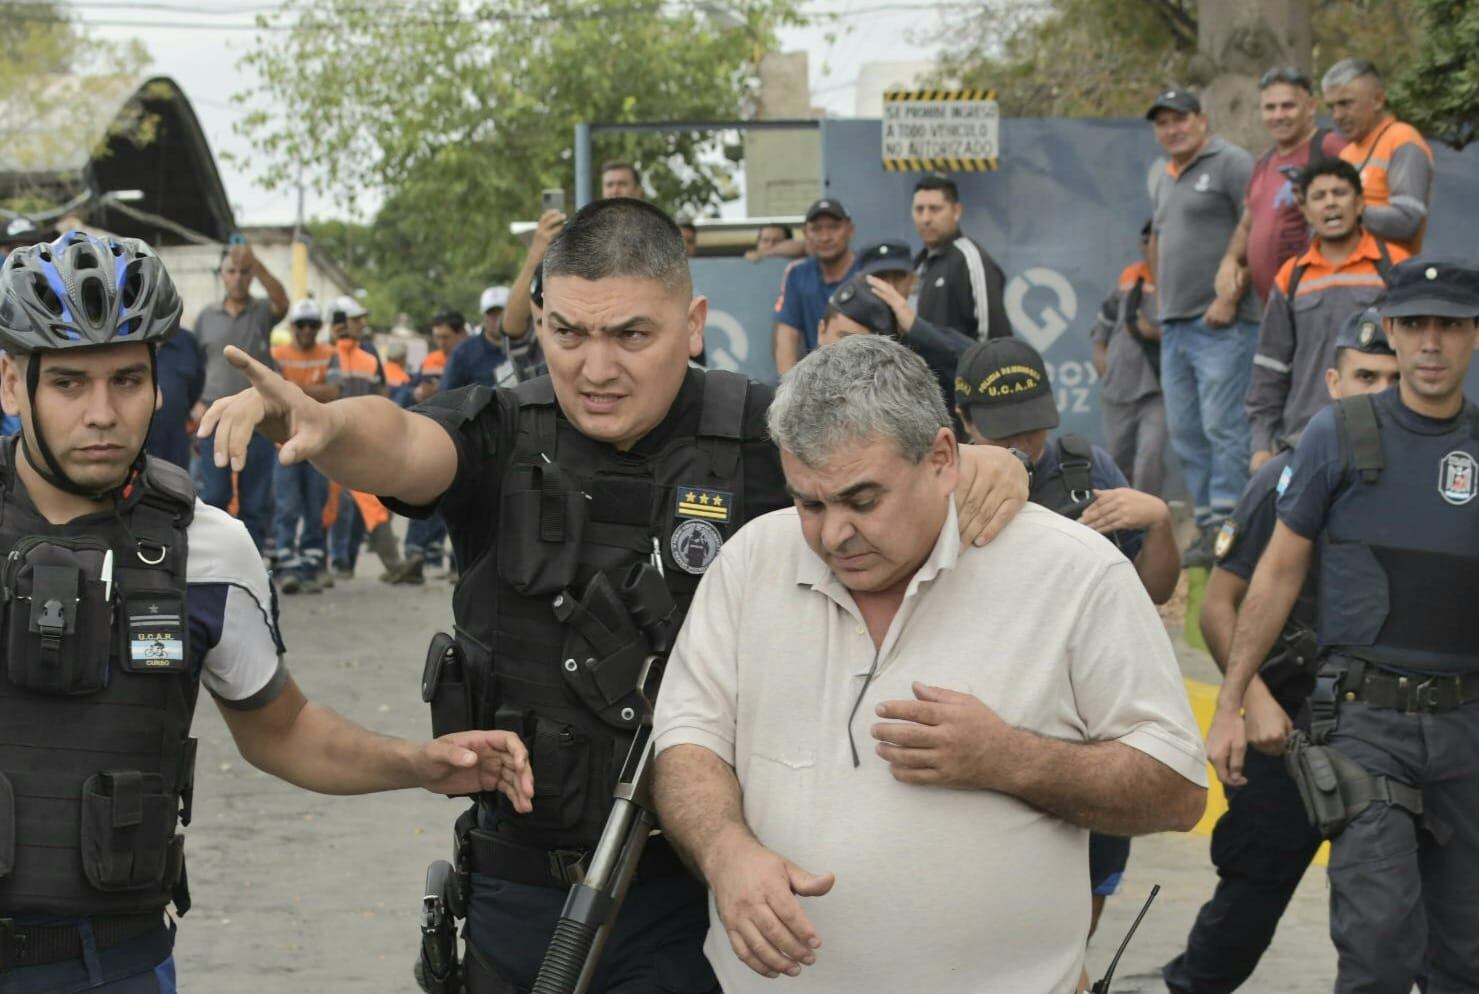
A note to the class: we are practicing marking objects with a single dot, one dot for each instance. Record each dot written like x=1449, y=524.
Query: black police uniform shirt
x=1437, y=501
x=469, y=506
x=1246, y=533
x=962, y=287
x=1105, y=475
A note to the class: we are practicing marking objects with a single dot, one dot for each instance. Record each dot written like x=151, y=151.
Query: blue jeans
x=348, y=533
x=424, y=538
x=301, y=492
x=138, y=966
x=1204, y=376
x=254, y=486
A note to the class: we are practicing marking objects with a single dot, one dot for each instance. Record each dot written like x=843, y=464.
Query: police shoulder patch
x=1284, y=479
x=694, y=545
x=1227, y=536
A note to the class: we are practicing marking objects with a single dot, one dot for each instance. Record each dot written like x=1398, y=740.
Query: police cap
x=1441, y=288
x=856, y=299
x=1363, y=332
x=885, y=257
x=1002, y=387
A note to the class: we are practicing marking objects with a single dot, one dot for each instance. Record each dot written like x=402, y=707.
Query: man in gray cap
x=1386, y=483
x=1207, y=341
x=1264, y=842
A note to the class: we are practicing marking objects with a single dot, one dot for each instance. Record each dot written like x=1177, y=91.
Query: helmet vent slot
x=46, y=295
x=94, y=300
x=133, y=280
x=85, y=260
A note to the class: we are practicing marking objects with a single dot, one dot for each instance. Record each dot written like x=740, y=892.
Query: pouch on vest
x=603, y=652
x=58, y=631
x=560, y=756
x=444, y=686
x=540, y=527
x=127, y=830
x=1335, y=789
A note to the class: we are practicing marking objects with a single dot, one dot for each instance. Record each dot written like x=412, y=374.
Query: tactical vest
x=1400, y=552
x=1069, y=489
x=549, y=651
x=96, y=697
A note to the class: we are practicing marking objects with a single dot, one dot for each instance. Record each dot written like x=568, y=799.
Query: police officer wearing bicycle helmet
x=120, y=595
x=554, y=493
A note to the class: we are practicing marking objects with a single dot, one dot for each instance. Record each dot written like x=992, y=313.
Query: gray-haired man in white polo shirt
x=1028, y=692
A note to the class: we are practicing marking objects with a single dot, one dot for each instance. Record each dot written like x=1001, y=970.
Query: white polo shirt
x=937, y=889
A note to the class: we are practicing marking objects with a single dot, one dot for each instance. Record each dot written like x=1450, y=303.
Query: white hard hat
x=306, y=310
x=349, y=306
x=494, y=296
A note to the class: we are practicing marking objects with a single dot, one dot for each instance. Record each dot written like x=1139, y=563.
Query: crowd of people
x=896, y=531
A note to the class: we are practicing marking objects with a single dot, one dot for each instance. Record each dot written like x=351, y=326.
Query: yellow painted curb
x=1203, y=698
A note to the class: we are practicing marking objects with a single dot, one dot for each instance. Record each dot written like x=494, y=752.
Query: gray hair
x=1347, y=70
x=620, y=237
x=864, y=387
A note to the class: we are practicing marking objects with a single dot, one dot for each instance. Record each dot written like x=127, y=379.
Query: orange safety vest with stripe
x=1372, y=156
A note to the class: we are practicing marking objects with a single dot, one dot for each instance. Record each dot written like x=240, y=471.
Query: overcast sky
x=203, y=62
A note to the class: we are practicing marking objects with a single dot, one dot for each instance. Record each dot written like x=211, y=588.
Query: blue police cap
x=886, y=257
x=1363, y=332
x=856, y=300
x=1431, y=288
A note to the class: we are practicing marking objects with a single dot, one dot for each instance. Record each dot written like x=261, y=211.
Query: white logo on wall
x=1456, y=478
x=1050, y=320
x=725, y=344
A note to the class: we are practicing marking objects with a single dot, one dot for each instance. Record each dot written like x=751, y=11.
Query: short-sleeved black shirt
x=482, y=425
x=1247, y=532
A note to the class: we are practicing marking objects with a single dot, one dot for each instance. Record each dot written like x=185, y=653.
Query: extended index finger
x=259, y=375
x=920, y=712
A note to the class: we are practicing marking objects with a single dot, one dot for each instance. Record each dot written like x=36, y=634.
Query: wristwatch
x=1027, y=464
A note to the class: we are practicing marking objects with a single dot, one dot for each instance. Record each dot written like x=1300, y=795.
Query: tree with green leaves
x=1438, y=89
x=456, y=114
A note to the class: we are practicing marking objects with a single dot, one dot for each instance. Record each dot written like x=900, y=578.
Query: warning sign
x=954, y=130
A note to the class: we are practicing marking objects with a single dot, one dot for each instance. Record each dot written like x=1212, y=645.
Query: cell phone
x=552, y=200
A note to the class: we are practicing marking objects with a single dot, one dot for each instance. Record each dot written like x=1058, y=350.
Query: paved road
x=298, y=892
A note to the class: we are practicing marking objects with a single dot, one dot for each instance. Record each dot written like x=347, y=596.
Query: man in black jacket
x=960, y=285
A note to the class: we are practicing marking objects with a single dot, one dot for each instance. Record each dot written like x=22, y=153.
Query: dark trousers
x=1403, y=908
x=656, y=946
x=253, y=485
x=139, y=966
x=301, y=492
x=1261, y=847
x=347, y=535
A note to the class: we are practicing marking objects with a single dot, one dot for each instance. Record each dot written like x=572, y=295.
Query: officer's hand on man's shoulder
x=278, y=409
x=755, y=892
x=992, y=489
x=476, y=761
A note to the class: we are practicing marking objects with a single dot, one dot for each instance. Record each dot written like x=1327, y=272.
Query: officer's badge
x=1456, y=478
x=1226, y=536
x=156, y=633
x=694, y=545
x=1367, y=335
x=696, y=502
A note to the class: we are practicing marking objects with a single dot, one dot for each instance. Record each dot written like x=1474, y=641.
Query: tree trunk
x=1237, y=41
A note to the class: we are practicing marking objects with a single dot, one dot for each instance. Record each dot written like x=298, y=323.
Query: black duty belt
x=1414, y=694
x=36, y=945
x=495, y=856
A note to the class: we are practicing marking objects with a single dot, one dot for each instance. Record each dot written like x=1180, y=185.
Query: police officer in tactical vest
x=120, y=595
x=564, y=497
x=1389, y=766
x=1264, y=842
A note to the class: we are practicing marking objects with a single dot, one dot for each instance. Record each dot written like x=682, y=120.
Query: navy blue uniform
x=1264, y=842
x=1400, y=576
x=1108, y=854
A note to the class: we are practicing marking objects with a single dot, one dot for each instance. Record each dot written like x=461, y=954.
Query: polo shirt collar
x=811, y=571
x=1213, y=146
x=1365, y=250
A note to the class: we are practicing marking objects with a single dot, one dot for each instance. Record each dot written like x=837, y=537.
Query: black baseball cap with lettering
x=1002, y=388
x=1184, y=101
x=886, y=257
x=1363, y=332
x=827, y=207
x=856, y=299
x=1440, y=288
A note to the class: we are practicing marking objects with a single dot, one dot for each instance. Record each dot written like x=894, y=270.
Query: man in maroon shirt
x=1273, y=227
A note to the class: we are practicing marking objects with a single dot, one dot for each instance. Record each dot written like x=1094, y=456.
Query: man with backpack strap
x=1344, y=271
